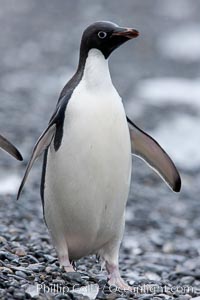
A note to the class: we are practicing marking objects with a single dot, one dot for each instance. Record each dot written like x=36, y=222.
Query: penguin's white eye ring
x=102, y=34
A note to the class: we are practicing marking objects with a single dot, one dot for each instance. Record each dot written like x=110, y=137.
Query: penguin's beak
x=128, y=33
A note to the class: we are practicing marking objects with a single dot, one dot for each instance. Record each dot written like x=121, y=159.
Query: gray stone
x=8, y=255
x=72, y=277
x=184, y=297
x=18, y=295
x=21, y=274
x=50, y=258
x=152, y=276
x=32, y=290
x=3, y=240
x=146, y=297
x=187, y=280
x=36, y=267
x=20, y=252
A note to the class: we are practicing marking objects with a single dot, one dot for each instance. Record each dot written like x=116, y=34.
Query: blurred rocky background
x=158, y=77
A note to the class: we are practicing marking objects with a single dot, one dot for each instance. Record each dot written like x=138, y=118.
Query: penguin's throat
x=96, y=72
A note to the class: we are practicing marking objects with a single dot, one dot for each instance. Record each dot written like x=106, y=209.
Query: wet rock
x=146, y=297
x=157, y=240
x=5, y=270
x=21, y=274
x=168, y=247
x=187, y=280
x=32, y=291
x=67, y=297
x=101, y=277
x=193, y=263
x=72, y=277
x=33, y=259
x=2, y=292
x=3, y=240
x=196, y=283
x=50, y=258
x=163, y=296
x=154, y=268
x=89, y=291
x=36, y=267
x=9, y=256
x=48, y=270
x=18, y=295
x=184, y=297
x=152, y=276
x=20, y=268
x=20, y=252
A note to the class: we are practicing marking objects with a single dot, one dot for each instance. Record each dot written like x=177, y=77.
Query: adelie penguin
x=87, y=161
x=9, y=148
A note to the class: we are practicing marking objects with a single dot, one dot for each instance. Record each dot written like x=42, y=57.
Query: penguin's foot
x=65, y=263
x=69, y=268
x=115, y=279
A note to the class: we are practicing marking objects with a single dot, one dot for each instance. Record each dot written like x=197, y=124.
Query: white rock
x=32, y=290
x=90, y=291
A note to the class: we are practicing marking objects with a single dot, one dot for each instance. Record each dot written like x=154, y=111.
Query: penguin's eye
x=102, y=34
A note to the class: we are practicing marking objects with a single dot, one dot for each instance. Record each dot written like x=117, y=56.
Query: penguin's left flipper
x=145, y=147
x=41, y=145
x=10, y=148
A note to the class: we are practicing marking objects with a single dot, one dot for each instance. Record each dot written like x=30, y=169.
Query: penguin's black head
x=106, y=37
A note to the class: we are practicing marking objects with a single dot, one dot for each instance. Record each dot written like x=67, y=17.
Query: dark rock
x=9, y=256
x=21, y=268
x=62, y=297
x=21, y=274
x=36, y=267
x=50, y=258
x=2, y=292
x=31, y=258
x=18, y=295
x=72, y=277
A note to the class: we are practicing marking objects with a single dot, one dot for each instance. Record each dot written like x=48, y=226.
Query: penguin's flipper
x=41, y=145
x=10, y=148
x=145, y=147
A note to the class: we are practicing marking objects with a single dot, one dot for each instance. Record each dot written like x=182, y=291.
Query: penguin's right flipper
x=10, y=148
x=41, y=145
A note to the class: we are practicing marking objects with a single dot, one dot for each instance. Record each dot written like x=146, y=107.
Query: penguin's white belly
x=87, y=180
